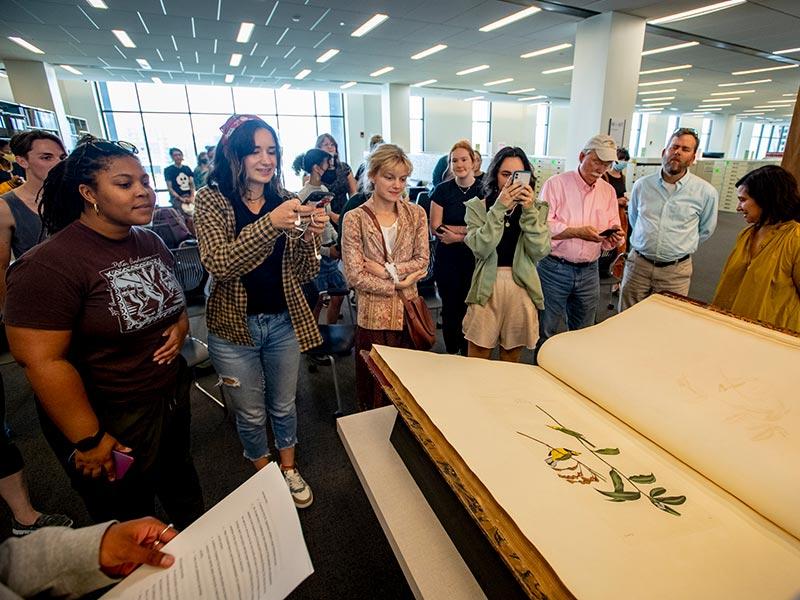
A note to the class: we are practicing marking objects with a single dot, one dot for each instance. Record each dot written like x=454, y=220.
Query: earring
x=96, y=208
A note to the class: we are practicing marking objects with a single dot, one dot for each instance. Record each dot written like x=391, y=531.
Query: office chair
x=190, y=273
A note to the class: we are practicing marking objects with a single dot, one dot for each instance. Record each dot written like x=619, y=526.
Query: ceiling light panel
x=369, y=25
x=327, y=55
x=473, y=70
x=473, y=98
x=658, y=99
x=527, y=12
x=696, y=12
x=787, y=51
x=559, y=70
x=664, y=91
x=498, y=81
x=429, y=51
x=522, y=91
x=545, y=51
x=665, y=69
x=423, y=83
x=662, y=82
x=764, y=70
x=348, y=85
x=71, y=69
x=669, y=48
x=245, y=31
x=732, y=92
x=744, y=83
x=123, y=38
x=381, y=71
x=303, y=74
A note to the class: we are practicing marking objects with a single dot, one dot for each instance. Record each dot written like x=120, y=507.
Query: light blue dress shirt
x=667, y=225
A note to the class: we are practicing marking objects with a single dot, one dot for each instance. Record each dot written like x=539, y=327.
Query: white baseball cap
x=604, y=146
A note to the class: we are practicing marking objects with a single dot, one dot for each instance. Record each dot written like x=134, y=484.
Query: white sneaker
x=300, y=490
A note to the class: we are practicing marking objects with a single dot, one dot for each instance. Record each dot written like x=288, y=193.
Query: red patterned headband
x=233, y=123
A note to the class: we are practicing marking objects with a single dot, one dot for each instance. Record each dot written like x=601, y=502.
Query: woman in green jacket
x=508, y=234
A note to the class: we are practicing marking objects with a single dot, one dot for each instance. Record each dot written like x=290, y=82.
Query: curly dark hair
x=61, y=202
x=775, y=191
x=490, y=186
x=228, y=172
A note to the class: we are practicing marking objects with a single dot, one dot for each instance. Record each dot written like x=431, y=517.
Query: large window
x=157, y=117
x=638, y=141
x=705, y=134
x=541, y=135
x=482, y=126
x=673, y=124
x=416, y=114
x=767, y=138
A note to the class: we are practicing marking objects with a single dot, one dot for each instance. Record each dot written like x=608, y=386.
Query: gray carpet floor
x=351, y=556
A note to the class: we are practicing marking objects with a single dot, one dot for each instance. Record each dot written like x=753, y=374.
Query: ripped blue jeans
x=261, y=379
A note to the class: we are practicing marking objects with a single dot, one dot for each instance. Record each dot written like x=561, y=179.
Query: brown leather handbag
x=416, y=315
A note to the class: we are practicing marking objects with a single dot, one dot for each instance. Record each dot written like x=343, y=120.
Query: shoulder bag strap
x=374, y=218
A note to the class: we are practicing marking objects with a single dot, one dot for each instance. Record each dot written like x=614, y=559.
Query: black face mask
x=329, y=176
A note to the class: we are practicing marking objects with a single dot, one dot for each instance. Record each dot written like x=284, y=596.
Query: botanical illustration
x=627, y=488
x=753, y=407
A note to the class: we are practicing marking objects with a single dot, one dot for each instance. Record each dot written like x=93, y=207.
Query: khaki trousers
x=642, y=278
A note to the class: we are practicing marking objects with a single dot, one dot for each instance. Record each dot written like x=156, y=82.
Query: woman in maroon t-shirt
x=97, y=319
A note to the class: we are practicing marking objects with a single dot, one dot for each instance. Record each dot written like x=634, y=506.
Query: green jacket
x=484, y=230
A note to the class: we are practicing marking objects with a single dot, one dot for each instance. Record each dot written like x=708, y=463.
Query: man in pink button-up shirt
x=583, y=221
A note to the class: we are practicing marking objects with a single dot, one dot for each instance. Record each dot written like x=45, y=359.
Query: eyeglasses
x=110, y=145
x=105, y=146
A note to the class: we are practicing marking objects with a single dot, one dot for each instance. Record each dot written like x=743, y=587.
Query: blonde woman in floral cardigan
x=379, y=280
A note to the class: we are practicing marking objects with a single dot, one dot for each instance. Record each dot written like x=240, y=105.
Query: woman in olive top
x=508, y=234
x=761, y=279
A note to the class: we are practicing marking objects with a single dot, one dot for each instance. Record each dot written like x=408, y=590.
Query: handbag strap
x=374, y=218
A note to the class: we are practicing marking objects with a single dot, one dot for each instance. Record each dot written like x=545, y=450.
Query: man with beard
x=670, y=213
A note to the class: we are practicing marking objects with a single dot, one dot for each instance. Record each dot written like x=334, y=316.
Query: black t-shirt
x=340, y=188
x=451, y=198
x=511, y=231
x=264, y=284
x=618, y=183
x=180, y=179
x=117, y=297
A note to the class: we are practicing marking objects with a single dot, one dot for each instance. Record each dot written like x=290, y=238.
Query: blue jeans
x=260, y=378
x=570, y=293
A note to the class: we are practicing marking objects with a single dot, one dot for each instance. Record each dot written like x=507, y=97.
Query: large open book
x=654, y=455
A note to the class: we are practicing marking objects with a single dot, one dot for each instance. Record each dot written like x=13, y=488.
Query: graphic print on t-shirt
x=143, y=291
x=182, y=180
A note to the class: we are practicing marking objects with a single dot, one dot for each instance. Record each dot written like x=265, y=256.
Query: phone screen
x=317, y=197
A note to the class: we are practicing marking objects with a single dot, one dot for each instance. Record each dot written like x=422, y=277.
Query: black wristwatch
x=91, y=442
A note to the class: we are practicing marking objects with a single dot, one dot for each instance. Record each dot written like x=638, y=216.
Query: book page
x=249, y=545
x=546, y=454
x=718, y=393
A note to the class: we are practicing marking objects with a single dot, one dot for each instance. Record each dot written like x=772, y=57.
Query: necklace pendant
x=508, y=224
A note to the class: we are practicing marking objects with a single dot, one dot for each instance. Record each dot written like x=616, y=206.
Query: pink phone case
x=122, y=462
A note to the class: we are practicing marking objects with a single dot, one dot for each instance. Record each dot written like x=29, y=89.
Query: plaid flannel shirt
x=228, y=257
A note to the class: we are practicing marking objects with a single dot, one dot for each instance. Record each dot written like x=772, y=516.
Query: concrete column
x=34, y=84
x=395, y=114
x=608, y=51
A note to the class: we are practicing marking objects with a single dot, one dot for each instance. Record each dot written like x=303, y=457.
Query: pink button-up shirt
x=574, y=203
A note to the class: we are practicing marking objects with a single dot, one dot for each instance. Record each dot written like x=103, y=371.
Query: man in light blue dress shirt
x=670, y=213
